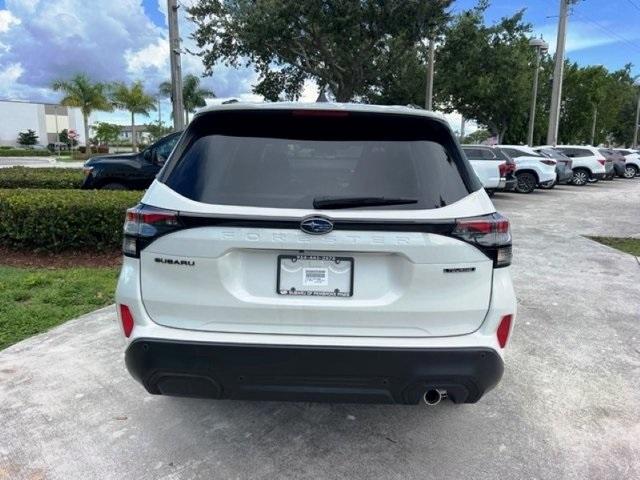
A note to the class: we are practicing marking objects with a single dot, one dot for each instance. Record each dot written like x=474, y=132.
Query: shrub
x=21, y=152
x=56, y=220
x=55, y=178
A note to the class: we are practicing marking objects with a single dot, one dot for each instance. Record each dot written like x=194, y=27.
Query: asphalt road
x=568, y=406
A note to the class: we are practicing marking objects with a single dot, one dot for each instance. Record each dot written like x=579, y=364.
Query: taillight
x=143, y=224
x=602, y=161
x=503, y=330
x=490, y=233
x=504, y=169
x=549, y=162
x=127, y=320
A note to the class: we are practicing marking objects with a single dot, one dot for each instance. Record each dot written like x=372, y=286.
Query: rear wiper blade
x=353, y=202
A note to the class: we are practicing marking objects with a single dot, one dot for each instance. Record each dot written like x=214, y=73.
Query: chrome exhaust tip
x=434, y=396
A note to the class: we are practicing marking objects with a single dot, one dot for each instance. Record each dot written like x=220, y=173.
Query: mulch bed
x=17, y=258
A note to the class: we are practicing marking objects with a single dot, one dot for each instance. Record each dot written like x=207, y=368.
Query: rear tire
x=491, y=193
x=526, y=182
x=630, y=171
x=580, y=177
x=114, y=186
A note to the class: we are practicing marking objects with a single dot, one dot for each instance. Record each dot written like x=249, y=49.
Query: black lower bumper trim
x=264, y=372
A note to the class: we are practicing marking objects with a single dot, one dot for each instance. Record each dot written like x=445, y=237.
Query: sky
x=126, y=40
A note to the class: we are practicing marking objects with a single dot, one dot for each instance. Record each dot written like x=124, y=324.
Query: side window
x=512, y=152
x=473, y=153
x=487, y=154
x=582, y=152
x=164, y=147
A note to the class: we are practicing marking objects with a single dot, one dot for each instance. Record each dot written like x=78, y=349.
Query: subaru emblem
x=316, y=225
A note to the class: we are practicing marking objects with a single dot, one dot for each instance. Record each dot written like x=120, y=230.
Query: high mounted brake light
x=143, y=224
x=319, y=113
x=490, y=233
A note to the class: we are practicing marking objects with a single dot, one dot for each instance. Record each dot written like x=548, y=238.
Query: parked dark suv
x=128, y=171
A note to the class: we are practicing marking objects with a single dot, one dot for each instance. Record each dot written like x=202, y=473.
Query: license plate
x=315, y=275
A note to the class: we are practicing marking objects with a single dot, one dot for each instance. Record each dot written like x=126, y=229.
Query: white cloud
x=7, y=20
x=155, y=55
x=583, y=35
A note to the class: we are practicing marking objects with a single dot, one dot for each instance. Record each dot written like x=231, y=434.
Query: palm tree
x=193, y=95
x=135, y=100
x=81, y=92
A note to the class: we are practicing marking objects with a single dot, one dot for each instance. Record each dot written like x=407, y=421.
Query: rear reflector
x=503, y=330
x=127, y=320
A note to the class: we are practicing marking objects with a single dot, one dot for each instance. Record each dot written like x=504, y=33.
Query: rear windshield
x=285, y=160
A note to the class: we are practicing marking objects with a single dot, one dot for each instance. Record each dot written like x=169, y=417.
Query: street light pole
x=558, y=73
x=428, y=103
x=176, y=66
x=637, y=125
x=541, y=47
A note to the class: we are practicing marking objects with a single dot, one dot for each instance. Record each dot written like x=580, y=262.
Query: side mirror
x=159, y=160
x=147, y=155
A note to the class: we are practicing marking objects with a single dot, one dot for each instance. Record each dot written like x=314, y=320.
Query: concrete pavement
x=37, y=162
x=568, y=406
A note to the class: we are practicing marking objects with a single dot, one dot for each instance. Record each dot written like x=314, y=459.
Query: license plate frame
x=323, y=263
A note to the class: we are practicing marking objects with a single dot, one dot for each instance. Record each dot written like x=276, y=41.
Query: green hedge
x=19, y=152
x=56, y=220
x=25, y=177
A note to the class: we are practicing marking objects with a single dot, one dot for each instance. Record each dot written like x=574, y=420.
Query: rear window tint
x=285, y=161
x=479, y=153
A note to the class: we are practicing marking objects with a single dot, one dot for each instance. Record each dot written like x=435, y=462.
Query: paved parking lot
x=568, y=406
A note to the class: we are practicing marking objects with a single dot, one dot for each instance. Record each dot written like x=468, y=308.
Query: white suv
x=329, y=252
x=632, y=162
x=588, y=163
x=532, y=168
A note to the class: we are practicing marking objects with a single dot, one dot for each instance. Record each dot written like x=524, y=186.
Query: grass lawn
x=627, y=245
x=33, y=300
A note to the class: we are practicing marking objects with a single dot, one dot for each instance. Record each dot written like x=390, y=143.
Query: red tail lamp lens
x=503, y=330
x=127, y=320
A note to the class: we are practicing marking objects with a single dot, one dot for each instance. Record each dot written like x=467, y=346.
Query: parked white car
x=532, y=168
x=632, y=162
x=588, y=163
x=331, y=252
x=494, y=169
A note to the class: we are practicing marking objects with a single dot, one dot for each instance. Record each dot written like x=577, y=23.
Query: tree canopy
x=135, y=100
x=344, y=46
x=193, y=95
x=79, y=91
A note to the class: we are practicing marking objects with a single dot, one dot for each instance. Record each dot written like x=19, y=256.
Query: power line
x=632, y=2
x=608, y=31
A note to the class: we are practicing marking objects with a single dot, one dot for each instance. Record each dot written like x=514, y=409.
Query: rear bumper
x=509, y=184
x=331, y=374
x=565, y=176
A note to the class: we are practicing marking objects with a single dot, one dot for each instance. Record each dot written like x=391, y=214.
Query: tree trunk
x=134, y=142
x=186, y=112
x=85, y=121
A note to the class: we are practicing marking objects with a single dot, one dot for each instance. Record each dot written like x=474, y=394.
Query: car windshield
x=297, y=160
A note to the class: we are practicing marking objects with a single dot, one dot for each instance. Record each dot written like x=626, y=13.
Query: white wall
x=16, y=117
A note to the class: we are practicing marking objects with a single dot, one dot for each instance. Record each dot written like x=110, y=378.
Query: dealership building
x=46, y=119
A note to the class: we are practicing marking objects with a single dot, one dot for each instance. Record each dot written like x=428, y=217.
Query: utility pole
x=635, y=130
x=176, y=67
x=558, y=73
x=593, y=125
x=462, y=125
x=541, y=48
x=428, y=103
